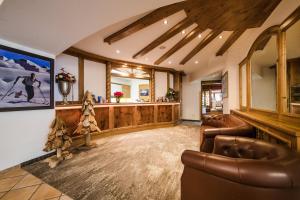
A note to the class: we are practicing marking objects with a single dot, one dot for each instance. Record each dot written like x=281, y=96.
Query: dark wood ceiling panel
x=217, y=15
x=232, y=38
x=189, y=37
x=212, y=35
x=145, y=21
x=164, y=37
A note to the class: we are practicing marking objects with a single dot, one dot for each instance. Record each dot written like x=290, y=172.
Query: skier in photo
x=28, y=81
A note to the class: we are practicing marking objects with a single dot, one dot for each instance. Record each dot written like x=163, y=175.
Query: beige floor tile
x=7, y=183
x=65, y=197
x=16, y=171
x=20, y=194
x=45, y=192
x=28, y=180
x=1, y=194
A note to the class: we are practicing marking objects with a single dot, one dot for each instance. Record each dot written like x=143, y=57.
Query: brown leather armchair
x=241, y=169
x=223, y=125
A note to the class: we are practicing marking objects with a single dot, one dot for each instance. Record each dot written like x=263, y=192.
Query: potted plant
x=118, y=96
x=64, y=81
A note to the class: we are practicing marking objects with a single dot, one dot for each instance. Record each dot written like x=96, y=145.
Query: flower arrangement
x=171, y=94
x=65, y=76
x=118, y=96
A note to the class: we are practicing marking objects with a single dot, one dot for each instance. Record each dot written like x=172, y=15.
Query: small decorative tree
x=58, y=140
x=88, y=123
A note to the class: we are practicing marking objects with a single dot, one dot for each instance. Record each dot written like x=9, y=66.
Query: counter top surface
x=97, y=105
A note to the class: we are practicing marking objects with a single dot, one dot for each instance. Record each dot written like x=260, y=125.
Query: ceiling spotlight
x=169, y=62
x=220, y=36
x=118, y=51
x=165, y=21
x=183, y=32
x=196, y=62
x=199, y=36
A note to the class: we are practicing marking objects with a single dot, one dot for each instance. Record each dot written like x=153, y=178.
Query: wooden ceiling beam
x=164, y=37
x=210, y=37
x=145, y=21
x=232, y=38
x=189, y=37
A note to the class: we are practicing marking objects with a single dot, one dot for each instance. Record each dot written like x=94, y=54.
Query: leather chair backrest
x=247, y=148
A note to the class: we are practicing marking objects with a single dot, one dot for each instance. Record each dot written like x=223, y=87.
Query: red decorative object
x=118, y=94
x=65, y=76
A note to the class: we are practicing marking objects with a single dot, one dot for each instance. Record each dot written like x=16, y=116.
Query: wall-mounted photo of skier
x=26, y=80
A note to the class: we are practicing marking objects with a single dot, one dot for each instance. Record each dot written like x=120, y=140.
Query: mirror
x=243, y=90
x=133, y=89
x=264, y=75
x=293, y=68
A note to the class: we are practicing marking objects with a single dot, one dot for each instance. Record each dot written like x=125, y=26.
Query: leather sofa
x=222, y=125
x=241, y=168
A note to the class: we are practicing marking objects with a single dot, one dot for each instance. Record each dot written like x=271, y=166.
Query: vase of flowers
x=118, y=95
x=171, y=95
x=64, y=81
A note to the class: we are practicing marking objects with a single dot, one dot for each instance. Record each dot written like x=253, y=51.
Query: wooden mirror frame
x=280, y=32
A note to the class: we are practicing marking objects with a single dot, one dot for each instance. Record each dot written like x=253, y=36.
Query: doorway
x=211, y=98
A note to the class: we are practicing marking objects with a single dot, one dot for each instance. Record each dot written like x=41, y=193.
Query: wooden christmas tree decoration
x=88, y=123
x=58, y=140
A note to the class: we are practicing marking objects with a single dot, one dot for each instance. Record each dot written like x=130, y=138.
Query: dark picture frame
x=18, y=94
x=225, y=85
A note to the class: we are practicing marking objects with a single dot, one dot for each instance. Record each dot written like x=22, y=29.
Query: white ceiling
x=55, y=25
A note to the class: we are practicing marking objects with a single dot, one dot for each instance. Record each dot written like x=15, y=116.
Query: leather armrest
x=250, y=172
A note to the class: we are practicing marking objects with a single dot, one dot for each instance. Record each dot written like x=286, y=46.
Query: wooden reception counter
x=123, y=117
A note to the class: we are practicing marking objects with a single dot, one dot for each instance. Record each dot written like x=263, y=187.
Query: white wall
x=95, y=78
x=232, y=102
x=23, y=133
x=190, y=99
x=161, y=80
x=70, y=64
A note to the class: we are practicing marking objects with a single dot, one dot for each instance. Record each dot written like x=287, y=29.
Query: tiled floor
x=17, y=184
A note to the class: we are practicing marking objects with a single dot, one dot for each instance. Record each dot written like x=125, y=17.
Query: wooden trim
x=73, y=51
x=232, y=38
x=249, y=85
x=282, y=74
x=164, y=37
x=210, y=37
x=291, y=19
x=168, y=80
x=189, y=37
x=80, y=78
x=145, y=21
x=108, y=82
x=152, y=83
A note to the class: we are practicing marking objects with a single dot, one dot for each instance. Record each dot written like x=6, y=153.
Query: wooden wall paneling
x=123, y=116
x=102, y=116
x=145, y=115
x=152, y=83
x=135, y=116
x=108, y=82
x=70, y=117
x=168, y=80
x=111, y=117
x=176, y=112
x=155, y=115
x=80, y=78
x=173, y=113
x=164, y=113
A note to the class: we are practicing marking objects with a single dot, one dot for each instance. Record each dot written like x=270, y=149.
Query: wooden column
x=111, y=117
x=80, y=78
x=168, y=80
x=152, y=83
x=108, y=82
x=248, y=77
x=282, y=74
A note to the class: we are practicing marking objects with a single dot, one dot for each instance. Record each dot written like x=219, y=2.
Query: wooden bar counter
x=115, y=118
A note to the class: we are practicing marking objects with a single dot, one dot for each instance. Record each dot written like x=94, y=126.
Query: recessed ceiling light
x=169, y=62
x=199, y=36
x=196, y=62
x=118, y=51
x=165, y=21
x=183, y=32
x=220, y=36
